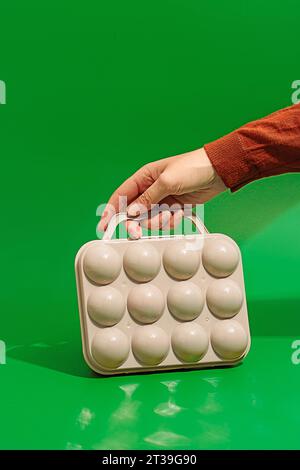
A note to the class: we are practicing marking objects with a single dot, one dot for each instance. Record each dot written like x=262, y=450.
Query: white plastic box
x=161, y=303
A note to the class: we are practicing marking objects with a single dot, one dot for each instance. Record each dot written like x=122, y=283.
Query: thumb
x=153, y=195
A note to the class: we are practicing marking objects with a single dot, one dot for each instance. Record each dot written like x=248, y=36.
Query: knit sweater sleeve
x=266, y=147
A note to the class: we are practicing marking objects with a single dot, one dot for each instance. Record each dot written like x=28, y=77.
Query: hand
x=189, y=178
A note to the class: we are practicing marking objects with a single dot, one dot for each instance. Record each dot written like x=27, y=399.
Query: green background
x=94, y=90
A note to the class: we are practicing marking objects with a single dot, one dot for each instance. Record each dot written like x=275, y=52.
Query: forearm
x=266, y=147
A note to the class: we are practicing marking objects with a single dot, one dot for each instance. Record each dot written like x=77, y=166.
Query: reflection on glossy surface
x=210, y=405
x=71, y=446
x=121, y=433
x=167, y=409
x=171, y=385
x=128, y=409
x=206, y=409
x=85, y=417
x=213, y=435
x=167, y=439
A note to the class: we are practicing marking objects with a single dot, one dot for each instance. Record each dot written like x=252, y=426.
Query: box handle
x=122, y=217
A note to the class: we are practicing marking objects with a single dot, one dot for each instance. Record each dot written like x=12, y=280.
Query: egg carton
x=161, y=303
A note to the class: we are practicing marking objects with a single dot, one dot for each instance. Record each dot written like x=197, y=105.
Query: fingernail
x=134, y=235
x=102, y=226
x=134, y=231
x=178, y=214
x=165, y=217
x=133, y=210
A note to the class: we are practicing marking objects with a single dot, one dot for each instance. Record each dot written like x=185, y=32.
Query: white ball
x=185, y=301
x=106, y=305
x=141, y=261
x=224, y=298
x=229, y=339
x=189, y=342
x=110, y=348
x=150, y=345
x=180, y=261
x=145, y=303
x=220, y=256
x=102, y=264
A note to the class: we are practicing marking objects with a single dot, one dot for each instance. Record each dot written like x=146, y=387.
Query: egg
x=102, y=264
x=106, y=305
x=145, y=303
x=141, y=261
x=180, y=260
x=220, y=256
x=189, y=342
x=185, y=301
x=224, y=298
x=229, y=339
x=150, y=345
x=110, y=347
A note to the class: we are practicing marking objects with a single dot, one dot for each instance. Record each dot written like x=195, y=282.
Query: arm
x=266, y=147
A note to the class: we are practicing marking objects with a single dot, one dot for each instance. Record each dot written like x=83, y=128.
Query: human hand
x=189, y=178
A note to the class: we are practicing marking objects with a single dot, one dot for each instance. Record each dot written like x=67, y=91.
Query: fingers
x=165, y=221
x=134, y=230
x=176, y=219
x=130, y=190
x=158, y=221
x=153, y=195
x=145, y=187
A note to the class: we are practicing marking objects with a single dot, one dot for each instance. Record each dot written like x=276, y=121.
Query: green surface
x=94, y=91
x=251, y=406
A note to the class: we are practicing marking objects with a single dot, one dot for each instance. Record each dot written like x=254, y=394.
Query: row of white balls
x=150, y=344
x=145, y=302
x=142, y=262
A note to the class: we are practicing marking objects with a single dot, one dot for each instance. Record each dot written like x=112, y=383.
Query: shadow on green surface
x=280, y=317
x=64, y=356
x=247, y=212
x=266, y=319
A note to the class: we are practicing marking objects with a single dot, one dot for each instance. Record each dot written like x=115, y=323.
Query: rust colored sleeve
x=266, y=147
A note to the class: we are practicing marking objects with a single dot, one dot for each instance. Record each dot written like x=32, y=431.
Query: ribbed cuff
x=230, y=161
